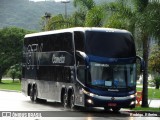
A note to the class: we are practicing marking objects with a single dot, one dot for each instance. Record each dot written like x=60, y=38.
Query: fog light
x=132, y=103
x=90, y=101
x=132, y=96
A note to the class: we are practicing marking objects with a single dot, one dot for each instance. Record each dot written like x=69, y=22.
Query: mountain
x=27, y=14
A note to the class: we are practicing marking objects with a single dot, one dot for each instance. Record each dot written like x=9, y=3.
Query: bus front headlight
x=132, y=96
x=90, y=101
x=88, y=93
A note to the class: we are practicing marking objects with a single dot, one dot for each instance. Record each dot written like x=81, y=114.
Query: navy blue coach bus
x=89, y=67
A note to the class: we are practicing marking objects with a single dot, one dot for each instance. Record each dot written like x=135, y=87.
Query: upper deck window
x=110, y=44
x=79, y=40
x=53, y=42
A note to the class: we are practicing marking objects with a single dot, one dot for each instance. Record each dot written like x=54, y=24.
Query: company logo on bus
x=60, y=59
x=112, y=98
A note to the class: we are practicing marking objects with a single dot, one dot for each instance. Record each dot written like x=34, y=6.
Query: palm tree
x=86, y=4
x=57, y=22
x=148, y=22
x=143, y=21
x=76, y=19
x=83, y=6
x=95, y=16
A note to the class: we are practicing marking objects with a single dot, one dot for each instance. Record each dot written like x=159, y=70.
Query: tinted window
x=79, y=40
x=54, y=42
x=66, y=42
x=107, y=44
x=58, y=42
x=54, y=73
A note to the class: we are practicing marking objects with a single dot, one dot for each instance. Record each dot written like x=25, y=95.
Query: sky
x=48, y=0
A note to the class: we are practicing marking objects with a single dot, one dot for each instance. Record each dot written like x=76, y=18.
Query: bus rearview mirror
x=142, y=63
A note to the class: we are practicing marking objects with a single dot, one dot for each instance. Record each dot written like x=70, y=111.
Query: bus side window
x=67, y=42
x=79, y=40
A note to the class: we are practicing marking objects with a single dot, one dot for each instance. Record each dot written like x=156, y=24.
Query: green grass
x=9, y=85
x=146, y=109
x=152, y=93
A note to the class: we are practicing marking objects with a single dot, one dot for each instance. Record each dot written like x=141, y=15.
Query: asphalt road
x=16, y=105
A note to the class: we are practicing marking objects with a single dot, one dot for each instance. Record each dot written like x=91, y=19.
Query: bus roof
x=76, y=29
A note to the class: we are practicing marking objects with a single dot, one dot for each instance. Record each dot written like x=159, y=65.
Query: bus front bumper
x=110, y=102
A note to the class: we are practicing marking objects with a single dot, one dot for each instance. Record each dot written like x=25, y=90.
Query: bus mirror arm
x=77, y=63
x=82, y=55
x=142, y=63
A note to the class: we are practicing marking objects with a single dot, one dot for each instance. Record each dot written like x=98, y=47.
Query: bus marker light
x=112, y=98
x=132, y=103
x=90, y=101
x=91, y=94
x=132, y=96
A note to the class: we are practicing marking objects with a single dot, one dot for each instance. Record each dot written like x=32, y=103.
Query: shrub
x=15, y=72
x=157, y=82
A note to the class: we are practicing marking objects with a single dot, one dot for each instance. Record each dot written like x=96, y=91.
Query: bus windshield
x=112, y=76
x=110, y=44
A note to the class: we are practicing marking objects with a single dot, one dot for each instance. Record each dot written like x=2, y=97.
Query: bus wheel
x=116, y=110
x=72, y=101
x=33, y=94
x=64, y=100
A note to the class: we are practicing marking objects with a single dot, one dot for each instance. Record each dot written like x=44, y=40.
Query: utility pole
x=47, y=17
x=65, y=5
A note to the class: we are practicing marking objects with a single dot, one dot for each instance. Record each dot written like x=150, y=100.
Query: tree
x=83, y=6
x=11, y=44
x=120, y=16
x=154, y=65
x=149, y=22
x=143, y=22
x=94, y=17
x=15, y=72
x=86, y=4
x=76, y=19
x=154, y=59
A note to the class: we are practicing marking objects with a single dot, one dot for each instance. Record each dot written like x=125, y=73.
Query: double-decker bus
x=89, y=67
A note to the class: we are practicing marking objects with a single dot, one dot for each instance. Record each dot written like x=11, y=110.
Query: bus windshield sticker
x=101, y=65
x=116, y=82
x=98, y=82
x=108, y=83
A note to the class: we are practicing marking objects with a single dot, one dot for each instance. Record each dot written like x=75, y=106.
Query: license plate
x=112, y=104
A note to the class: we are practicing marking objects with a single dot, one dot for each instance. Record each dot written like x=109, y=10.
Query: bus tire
x=33, y=93
x=64, y=98
x=29, y=90
x=116, y=110
x=72, y=101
